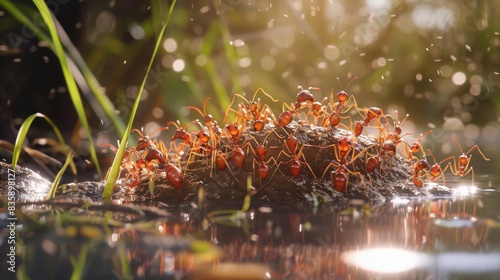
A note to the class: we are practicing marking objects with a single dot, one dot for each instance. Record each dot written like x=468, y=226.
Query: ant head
x=341, y=97
x=305, y=96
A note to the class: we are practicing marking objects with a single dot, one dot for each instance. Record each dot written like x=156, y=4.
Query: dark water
x=454, y=237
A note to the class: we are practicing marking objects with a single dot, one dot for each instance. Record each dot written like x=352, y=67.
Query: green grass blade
x=23, y=131
x=74, y=56
x=115, y=167
x=79, y=264
x=70, y=81
x=57, y=179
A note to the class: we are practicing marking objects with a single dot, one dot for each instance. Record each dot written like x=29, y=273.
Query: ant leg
x=479, y=150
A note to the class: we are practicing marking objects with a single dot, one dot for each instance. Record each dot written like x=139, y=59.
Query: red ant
x=174, y=175
x=208, y=118
x=436, y=171
x=340, y=177
x=343, y=99
x=304, y=97
x=292, y=145
x=181, y=134
x=417, y=146
x=286, y=116
x=419, y=166
x=460, y=167
x=253, y=111
x=260, y=153
x=295, y=162
x=145, y=141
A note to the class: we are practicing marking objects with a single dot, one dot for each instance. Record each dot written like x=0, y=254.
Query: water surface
x=454, y=237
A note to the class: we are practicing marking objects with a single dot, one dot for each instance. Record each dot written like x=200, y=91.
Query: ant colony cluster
x=330, y=145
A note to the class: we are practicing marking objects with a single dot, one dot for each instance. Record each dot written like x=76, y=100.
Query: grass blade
x=57, y=179
x=79, y=263
x=23, y=131
x=70, y=81
x=103, y=107
x=115, y=167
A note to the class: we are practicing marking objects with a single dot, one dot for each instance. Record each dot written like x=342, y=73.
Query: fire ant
x=208, y=118
x=261, y=152
x=145, y=141
x=436, y=171
x=295, y=154
x=342, y=99
x=460, y=167
x=417, y=146
x=253, y=111
x=304, y=97
x=174, y=174
x=287, y=115
x=340, y=177
x=183, y=135
x=419, y=166
x=295, y=162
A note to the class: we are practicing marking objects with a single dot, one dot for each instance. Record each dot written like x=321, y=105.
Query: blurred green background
x=438, y=61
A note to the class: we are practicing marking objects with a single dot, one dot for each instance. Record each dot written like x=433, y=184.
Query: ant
x=287, y=115
x=145, y=142
x=253, y=111
x=304, y=97
x=419, y=166
x=295, y=154
x=208, y=118
x=342, y=99
x=340, y=177
x=396, y=136
x=295, y=162
x=436, y=171
x=417, y=146
x=182, y=134
x=174, y=174
x=460, y=167
x=261, y=152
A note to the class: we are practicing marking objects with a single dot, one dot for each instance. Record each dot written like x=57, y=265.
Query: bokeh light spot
x=170, y=45
x=459, y=78
x=178, y=65
x=331, y=52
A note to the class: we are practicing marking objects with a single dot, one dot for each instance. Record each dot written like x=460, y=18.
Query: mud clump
x=318, y=158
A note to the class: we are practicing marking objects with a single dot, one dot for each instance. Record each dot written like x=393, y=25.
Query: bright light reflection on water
x=385, y=260
x=465, y=190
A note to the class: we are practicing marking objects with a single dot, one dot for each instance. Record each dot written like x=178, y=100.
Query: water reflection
x=405, y=238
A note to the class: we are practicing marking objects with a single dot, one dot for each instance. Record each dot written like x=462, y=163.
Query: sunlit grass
x=23, y=131
x=57, y=179
x=115, y=167
x=70, y=81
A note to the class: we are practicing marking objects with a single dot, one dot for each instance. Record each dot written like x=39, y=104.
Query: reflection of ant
x=460, y=167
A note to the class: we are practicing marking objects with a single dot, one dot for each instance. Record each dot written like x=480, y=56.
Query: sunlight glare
x=465, y=190
x=384, y=260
